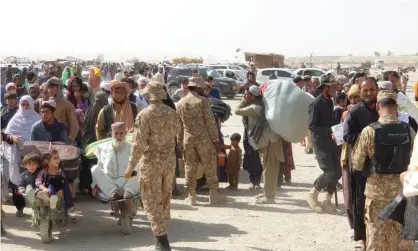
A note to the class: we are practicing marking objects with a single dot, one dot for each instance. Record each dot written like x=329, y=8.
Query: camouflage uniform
x=153, y=147
x=198, y=134
x=381, y=189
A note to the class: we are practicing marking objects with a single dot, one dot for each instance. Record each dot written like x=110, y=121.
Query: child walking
x=233, y=161
x=52, y=181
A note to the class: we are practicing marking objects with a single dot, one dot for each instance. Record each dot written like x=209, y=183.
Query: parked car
x=85, y=73
x=227, y=86
x=237, y=75
x=263, y=75
x=226, y=66
x=316, y=72
x=379, y=64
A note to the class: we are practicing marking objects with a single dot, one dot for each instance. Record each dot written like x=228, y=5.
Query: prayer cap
x=254, y=90
x=118, y=126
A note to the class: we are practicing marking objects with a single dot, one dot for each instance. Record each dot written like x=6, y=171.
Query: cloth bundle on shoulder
x=286, y=110
x=406, y=105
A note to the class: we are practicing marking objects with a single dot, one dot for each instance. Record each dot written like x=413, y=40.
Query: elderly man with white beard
x=113, y=159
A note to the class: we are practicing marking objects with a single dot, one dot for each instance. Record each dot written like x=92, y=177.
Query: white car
x=85, y=73
x=263, y=75
x=226, y=66
x=316, y=72
x=229, y=67
x=379, y=64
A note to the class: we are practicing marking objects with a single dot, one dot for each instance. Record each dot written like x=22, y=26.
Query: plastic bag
x=286, y=110
x=395, y=210
x=410, y=184
x=405, y=105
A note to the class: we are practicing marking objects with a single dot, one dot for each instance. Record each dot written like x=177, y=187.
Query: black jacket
x=358, y=118
x=321, y=119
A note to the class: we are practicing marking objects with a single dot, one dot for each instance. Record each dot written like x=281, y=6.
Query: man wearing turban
x=120, y=110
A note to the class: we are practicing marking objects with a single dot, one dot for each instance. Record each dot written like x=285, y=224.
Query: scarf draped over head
x=354, y=91
x=88, y=130
x=65, y=76
x=22, y=122
x=36, y=87
x=15, y=76
x=70, y=93
x=56, y=81
x=10, y=85
x=126, y=114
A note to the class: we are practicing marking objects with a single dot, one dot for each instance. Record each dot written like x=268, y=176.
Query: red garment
x=289, y=164
x=263, y=88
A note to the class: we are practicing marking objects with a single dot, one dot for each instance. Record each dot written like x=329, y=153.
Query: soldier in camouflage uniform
x=389, y=157
x=156, y=127
x=199, y=140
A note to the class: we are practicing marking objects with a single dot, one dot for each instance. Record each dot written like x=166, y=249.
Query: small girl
x=233, y=160
x=51, y=180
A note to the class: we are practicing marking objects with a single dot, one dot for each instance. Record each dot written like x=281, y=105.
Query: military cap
x=386, y=96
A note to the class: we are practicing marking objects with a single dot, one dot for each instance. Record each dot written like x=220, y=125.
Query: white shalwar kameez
x=109, y=172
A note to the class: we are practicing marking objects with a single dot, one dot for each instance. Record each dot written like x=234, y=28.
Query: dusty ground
x=237, y=225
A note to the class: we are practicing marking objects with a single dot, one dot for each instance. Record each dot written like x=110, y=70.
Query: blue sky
x=211, y=29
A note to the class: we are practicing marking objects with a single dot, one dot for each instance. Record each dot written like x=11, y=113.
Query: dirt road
x=237, y=225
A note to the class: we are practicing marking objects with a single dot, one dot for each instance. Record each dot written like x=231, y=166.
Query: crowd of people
x=378, y=146
x=69, y=111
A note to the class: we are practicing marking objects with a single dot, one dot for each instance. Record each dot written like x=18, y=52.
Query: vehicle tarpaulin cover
x=286, y=109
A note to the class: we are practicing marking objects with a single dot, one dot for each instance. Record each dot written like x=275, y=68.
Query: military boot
x=215, y=197
x=312, y=199
x=162, y=243
x=191, y=199
x=327, y=204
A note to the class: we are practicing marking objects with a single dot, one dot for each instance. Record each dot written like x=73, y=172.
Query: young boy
x=27, y=186
x=233, y=160
x=10, y=110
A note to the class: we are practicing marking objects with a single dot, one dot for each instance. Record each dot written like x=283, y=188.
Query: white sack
x=410, y=185
x=287, y=110
x=405, y=105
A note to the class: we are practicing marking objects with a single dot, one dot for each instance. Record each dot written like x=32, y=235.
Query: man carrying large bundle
x=326, y=151
x=264, y=140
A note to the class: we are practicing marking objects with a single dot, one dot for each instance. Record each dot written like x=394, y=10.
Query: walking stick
x=336, y=197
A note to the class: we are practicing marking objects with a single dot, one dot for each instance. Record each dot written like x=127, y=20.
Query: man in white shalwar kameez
x=113, y=159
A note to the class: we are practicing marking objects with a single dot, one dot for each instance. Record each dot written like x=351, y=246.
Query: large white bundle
x=406, y=105
x=287, y=110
